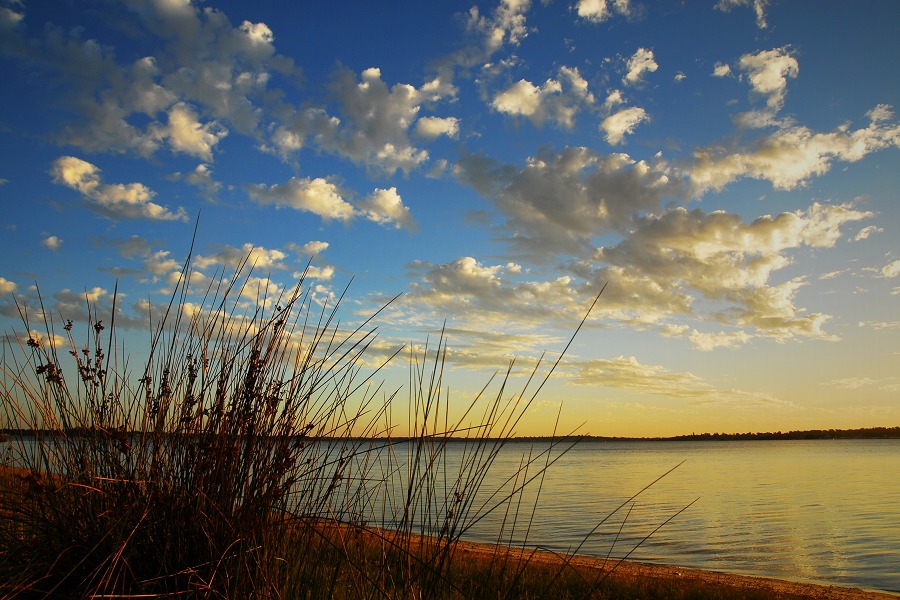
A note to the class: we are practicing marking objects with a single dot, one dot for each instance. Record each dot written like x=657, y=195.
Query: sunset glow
x=729, y=169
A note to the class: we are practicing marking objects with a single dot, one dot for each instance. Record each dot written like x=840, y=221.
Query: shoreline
x=633, y=570
x=626, y=570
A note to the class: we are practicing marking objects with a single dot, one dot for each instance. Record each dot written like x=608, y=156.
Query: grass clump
x=252, y=455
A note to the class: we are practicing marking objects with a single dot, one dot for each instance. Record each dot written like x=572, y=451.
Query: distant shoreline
x=870, y=433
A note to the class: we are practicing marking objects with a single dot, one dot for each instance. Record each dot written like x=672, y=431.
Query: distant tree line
x=871, y=433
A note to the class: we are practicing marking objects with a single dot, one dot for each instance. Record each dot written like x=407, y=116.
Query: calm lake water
x=823, y=511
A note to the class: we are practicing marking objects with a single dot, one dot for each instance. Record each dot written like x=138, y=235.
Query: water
x=822, y=511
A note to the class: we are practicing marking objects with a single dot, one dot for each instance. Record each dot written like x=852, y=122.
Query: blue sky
x=728, y=168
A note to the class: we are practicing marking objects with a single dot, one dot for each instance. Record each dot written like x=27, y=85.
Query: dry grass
x=251, y=457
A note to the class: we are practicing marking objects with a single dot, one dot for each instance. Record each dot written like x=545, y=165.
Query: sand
x=772, y=588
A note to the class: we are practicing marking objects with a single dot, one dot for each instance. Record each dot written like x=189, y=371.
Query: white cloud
x=759, y=8
x=880, y=325
x=674, y=330
x=318, y=196
x=629, y=374
x=679, y=76
x=259, y=34
x=768, y=72
x=790, y=156
x=505, y=26
x=256, y=257
x=186, y=134
x=598, y=11
x=386, y=207
x=487, y=297
x=558, y=201
x=686, y=255
x=433, y=127
x=855, y=383
x=707, y=342
x=131, y=247
x=613, y=99
x=375, y=120
x=7, y=287
x=891, y=270
x=202, y=60
x=831, y=275
x=641, y=62
x=522, y=98
x=623, y=123
x=556, y=100
x=309, y=248
x=161, y=264
x=721, y=70
x=202, y=177
x=52, y=242
x=626, y=372
x=131, y=200
x=313, y=272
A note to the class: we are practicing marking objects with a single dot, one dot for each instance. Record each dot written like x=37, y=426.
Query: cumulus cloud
x=256, y=257
x=613, y=99
x=7, y=287
x=206, y=75
x=186, y=134
x=722, y=259
x=313, y=272
x=487, y=295
x=522, y=98
x=759, y=8
x=375, y=121
x=768, y=72
x=865, y=232
x=505, y=26
x=202, y=178
x=324, y=198
x=308, y=249
x=707, y=342
x=598, y=11
x=891, y=270
x=131, y=247
x=161, y=264
x=641, y=62
x=385, y=207
x=790, y=156
x=556, y=100
x=622, y=123
x=721, y=70
x=434, y=127
x=131, y=200
x=318, y=196
x=559, y=201
x=52, y=242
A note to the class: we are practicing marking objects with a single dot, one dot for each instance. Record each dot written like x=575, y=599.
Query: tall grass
x=252, y=455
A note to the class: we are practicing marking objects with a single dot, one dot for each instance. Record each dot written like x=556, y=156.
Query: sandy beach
x=624, y=570
x=627, y=570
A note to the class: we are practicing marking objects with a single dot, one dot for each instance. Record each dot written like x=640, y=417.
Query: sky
x=728, y=169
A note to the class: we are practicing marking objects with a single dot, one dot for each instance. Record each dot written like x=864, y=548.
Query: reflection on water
x=823, y=511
